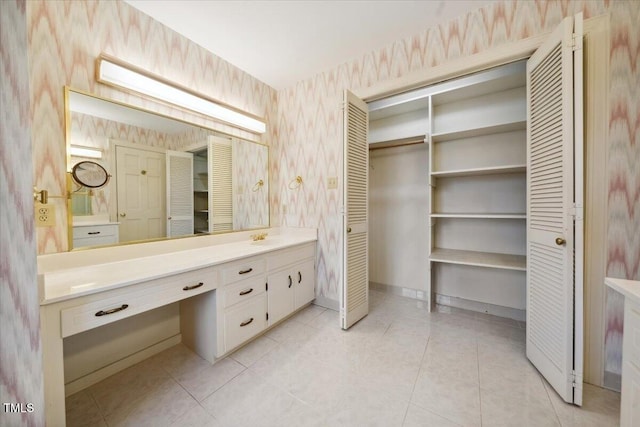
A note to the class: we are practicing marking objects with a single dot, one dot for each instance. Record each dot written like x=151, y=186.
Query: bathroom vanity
x=630, y=396
x=230, y=288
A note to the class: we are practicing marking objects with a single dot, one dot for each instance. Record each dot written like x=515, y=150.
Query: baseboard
x=122, y=364
x=400, y=291
x=482, y=307
x=327, y=303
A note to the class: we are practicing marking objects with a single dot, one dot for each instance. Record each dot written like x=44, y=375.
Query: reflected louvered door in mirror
x=554, y=297
x=354, y=303
x=220, y=184
x=179, y=193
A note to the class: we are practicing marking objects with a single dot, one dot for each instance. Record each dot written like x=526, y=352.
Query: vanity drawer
x=291, y=256
x=102, y=230
x=93, y=235
x=243, y=290
x=121, y=303
x=244, y=269
x=244, y=321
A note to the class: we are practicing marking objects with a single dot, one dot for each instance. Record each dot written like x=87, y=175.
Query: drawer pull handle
x=299, y=277
x=93, y=232
x=246, y=323
x=113, y=310
x=249, y=270
x=188, y=288
x=290, y=281
x=246, y=292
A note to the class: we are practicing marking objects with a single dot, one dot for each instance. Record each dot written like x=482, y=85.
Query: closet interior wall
x=452, y=211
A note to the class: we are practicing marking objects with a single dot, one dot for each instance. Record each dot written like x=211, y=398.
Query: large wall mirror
x=167, y=178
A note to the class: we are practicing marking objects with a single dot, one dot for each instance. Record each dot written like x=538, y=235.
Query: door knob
x=348, y=229
x=560, y=241
x=123, y=214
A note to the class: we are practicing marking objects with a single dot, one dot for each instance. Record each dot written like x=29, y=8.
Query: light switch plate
x=332, y=182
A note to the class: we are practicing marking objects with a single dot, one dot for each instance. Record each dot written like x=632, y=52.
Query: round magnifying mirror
x=90, y=174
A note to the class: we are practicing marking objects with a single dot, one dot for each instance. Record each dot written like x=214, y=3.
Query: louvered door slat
x=179, y=193
x=550, y=278
x=355, y=295
x=220, y=185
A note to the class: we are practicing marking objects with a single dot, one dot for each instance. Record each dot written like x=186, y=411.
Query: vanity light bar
x=120, y=74
x=78, y=151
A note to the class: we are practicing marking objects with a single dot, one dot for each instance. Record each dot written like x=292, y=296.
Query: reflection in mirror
x=90, y=174
x=169, y=178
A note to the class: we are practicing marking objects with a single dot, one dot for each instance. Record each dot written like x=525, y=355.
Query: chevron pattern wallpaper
x=304, y=121
x=63, y=54
x=309, y=124
x=20, y=346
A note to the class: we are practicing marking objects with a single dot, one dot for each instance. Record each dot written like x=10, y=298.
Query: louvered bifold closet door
x=179, y=193
x=220, y=185
x=550, y=228
x=355, y=292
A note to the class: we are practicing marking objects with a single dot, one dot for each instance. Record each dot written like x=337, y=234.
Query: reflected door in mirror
x=141, y=193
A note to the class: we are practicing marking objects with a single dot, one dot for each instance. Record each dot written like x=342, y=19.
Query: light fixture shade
x=79, y=151
x=120, y=74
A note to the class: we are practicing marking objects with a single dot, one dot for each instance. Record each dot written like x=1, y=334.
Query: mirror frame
x=70, y=180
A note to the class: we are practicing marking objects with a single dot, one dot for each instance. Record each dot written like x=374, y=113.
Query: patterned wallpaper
x=91, y=131
x=304, y=121
x=251, y=202
x=308, y=140
x=63, y=54
x=21, y=360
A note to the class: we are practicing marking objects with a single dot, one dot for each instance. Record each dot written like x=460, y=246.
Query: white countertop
x=73, y=274
x=629, y=288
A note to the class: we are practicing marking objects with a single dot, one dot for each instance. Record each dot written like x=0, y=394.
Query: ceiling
x=283, y=42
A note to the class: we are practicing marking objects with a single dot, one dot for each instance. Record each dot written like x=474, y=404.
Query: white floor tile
x=400, y=365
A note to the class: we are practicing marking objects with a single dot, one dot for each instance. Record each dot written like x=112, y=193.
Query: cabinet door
x=304, y=284
x=354, y=302
x=280, y=295
x=554, y=201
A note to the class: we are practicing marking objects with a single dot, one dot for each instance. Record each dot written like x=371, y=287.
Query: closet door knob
x=560, y=241
x=348, y=229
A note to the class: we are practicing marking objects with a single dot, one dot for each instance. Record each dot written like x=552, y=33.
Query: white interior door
x=179, y=193
x=140, y=188
x=220, y=184
x=554, y=219
x=354, y=304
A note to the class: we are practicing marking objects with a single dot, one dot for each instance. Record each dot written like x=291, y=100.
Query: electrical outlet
x=332, y=183
x=45, y=215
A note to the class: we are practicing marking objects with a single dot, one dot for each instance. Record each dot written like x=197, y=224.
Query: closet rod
x=413, y=140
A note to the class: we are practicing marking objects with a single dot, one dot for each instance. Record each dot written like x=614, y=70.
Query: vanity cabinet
x=630, y=397
x=242, y=307
x=219, y=281
x=630, y=393
x=93, y=235
x=290, y=282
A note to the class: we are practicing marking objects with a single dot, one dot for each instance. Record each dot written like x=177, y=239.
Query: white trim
x=503, y=54
x=596, y=52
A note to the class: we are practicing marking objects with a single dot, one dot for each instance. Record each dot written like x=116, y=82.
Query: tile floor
x=400, y=366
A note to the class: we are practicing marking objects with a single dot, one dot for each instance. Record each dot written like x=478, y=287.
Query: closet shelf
x=201, y=211
x=492, y=170
x=200, y=191
x=480, y=215
x=480, y=259
x=480, y=131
